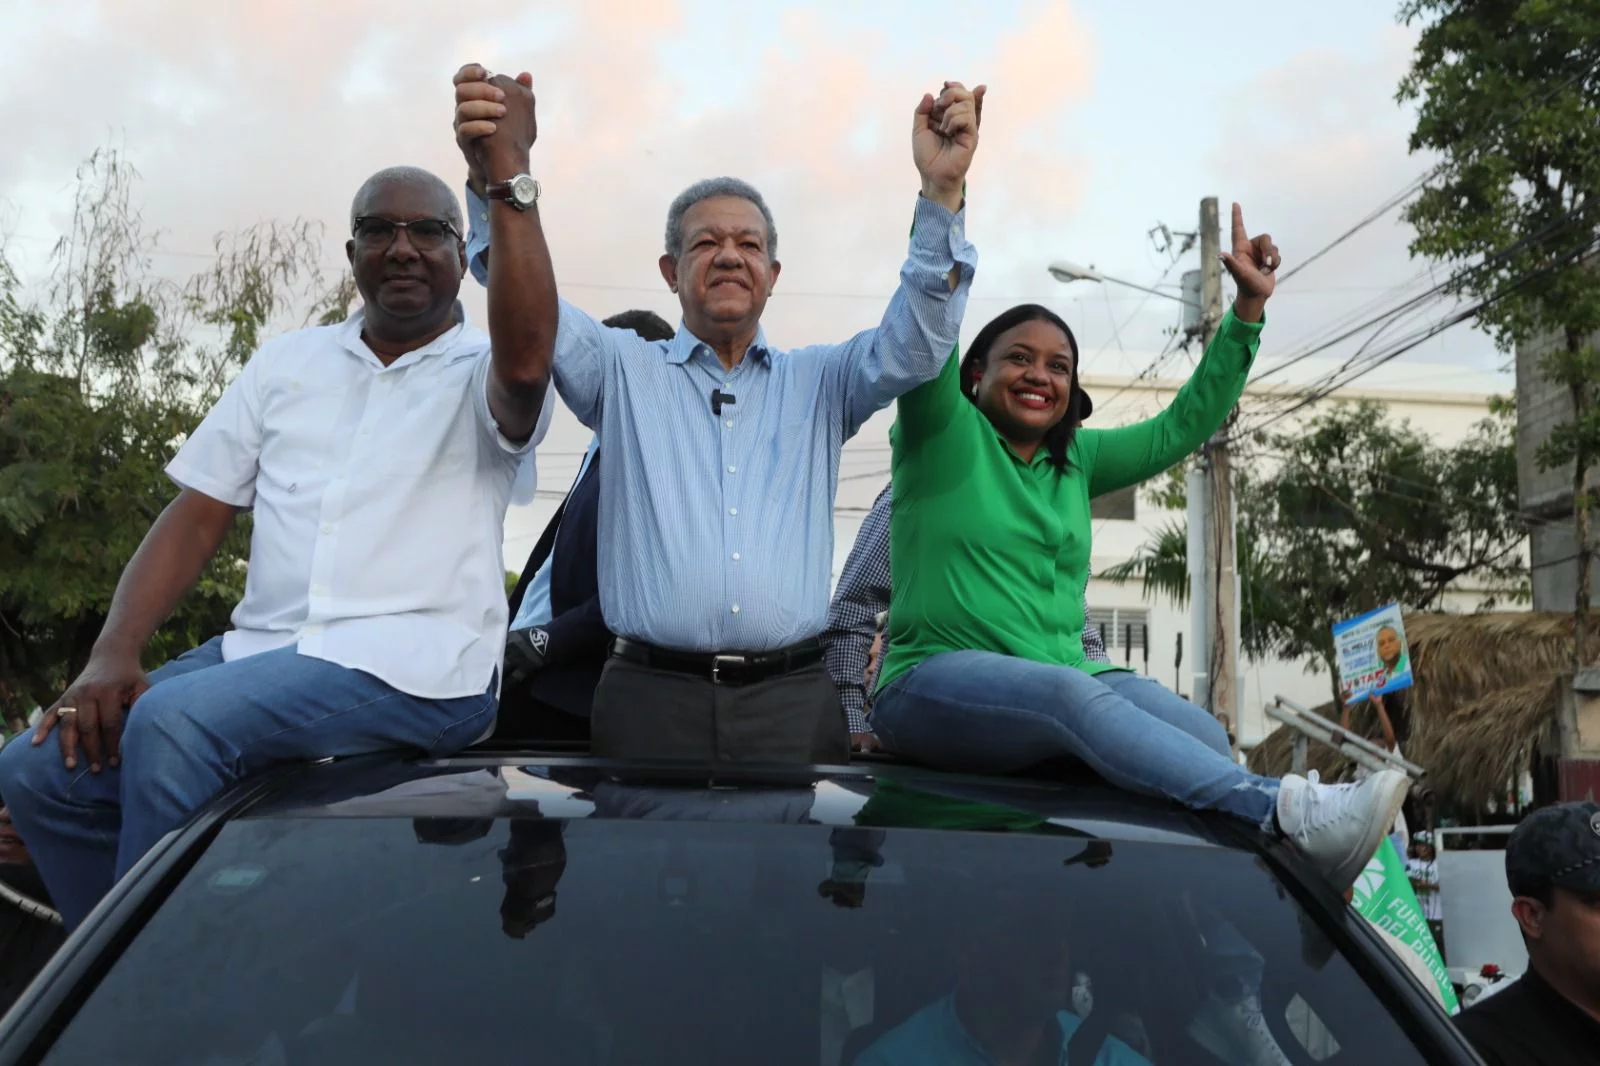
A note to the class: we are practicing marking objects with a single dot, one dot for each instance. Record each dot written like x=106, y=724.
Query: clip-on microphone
x=718, y=398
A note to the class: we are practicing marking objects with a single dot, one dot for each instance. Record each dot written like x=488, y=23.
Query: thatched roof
x=1487, y=688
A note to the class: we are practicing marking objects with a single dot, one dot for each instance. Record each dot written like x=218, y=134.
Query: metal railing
x=1308, y=726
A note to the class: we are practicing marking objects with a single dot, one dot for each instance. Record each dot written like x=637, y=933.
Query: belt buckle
x=719, y=661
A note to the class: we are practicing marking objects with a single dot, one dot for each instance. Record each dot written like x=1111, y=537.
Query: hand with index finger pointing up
x=1252, y=262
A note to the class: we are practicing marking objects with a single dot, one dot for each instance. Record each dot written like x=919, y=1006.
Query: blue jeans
x=201, y=726
x=987, y=713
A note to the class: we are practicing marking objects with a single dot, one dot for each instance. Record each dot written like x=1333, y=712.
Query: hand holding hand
x=91, y=711
x=479, y=106
x=494, y=123
x=944, y=136
x=1252, y=264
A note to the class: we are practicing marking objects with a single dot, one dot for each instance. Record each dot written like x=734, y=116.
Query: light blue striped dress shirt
x=716, y=532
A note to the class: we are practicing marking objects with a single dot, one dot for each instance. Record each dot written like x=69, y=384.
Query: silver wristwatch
x=521, y=192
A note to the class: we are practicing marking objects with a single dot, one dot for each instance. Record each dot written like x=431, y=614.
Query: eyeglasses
x=425, y=233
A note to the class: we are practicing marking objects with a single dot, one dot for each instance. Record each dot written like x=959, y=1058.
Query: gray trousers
x=645, y=713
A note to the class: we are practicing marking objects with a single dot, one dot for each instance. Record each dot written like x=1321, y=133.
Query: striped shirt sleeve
x=863, y=594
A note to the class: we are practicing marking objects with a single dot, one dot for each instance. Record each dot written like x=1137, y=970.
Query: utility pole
x=1213, y=573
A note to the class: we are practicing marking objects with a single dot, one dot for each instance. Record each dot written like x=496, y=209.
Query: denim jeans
x=201, y=726
x=987, y=713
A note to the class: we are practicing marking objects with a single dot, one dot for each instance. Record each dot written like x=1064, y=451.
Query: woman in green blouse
x=989, y=547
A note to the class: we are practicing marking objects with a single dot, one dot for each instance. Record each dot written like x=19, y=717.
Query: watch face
x=524, y=190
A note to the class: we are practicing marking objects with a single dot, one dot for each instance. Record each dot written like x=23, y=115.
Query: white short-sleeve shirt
x=379, y=495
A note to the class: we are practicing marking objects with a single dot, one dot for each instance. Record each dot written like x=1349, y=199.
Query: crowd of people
x=678, y=608
x=681, y=607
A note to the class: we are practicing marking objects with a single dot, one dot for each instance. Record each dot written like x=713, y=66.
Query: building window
x=1125, y=630
x=1120, y=505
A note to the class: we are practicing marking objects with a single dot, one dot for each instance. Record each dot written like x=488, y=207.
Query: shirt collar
x=350, y=337
x=684, y=344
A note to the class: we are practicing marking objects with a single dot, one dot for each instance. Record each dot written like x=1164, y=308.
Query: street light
x=1066, y=272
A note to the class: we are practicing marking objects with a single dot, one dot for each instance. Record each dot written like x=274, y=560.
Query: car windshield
x=684, y=938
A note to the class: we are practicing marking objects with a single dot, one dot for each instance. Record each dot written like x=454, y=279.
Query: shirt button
x=327, y=527
x=729, y=423
x=319, y=590
x=735, y=556
x=733, y=470
x=734, y=511
x=734, y=608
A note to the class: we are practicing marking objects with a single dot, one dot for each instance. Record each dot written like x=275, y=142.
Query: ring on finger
x=62, y=712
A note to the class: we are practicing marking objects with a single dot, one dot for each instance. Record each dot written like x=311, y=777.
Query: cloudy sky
x=1104, y=119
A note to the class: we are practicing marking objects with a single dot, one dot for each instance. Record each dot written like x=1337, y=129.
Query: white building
x=1441, y=401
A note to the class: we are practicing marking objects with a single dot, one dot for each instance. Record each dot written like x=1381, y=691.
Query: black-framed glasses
x=424, y=232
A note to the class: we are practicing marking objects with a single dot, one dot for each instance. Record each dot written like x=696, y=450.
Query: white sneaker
x=1236, y=1033
x=1339, y=827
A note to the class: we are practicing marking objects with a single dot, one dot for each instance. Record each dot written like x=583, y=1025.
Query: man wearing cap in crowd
x=1551, y=1015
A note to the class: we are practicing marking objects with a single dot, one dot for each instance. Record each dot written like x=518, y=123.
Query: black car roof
x=514, y=783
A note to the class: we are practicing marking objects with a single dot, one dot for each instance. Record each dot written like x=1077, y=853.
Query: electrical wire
x=1350, y=372
x=1435, y=292
x=1416, y=184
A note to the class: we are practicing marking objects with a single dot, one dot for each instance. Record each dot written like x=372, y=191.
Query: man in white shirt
x=378, y=456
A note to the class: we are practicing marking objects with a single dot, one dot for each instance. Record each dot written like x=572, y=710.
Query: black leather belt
x=731, y=668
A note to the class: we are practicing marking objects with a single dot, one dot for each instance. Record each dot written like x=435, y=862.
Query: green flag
x=1384, y=897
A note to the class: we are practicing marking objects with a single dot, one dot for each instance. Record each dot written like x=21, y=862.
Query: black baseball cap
x=1557, y=846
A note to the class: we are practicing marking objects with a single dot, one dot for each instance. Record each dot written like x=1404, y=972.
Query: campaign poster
x=1372, y=653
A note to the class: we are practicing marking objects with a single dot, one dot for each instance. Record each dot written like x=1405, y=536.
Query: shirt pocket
x=429, y=427
x=305, y=430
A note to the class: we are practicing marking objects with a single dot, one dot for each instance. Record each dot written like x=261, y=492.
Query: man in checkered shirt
x=862, y=595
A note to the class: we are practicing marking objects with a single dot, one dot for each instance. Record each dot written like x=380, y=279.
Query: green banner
x=1384, y=897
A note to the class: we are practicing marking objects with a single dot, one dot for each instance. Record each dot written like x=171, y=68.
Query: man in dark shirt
x=1551, y=1015
x=559, y=641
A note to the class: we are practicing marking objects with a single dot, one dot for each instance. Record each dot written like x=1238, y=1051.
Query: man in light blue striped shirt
x=719, y=453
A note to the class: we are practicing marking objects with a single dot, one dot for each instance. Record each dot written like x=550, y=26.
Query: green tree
x=1350, y=512
x=101, y=378
x=1508, y=92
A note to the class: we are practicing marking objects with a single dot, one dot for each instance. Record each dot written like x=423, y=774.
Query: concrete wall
x=1540, y=407
x=1546, y=495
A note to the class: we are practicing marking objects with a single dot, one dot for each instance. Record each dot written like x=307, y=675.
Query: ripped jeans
x=986, y=713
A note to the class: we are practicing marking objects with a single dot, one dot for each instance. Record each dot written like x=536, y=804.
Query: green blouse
x=990, y=553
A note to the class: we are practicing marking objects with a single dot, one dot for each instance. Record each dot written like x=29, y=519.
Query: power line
x=1409, y=306
x=1333, y=382
x=1428, y=175
x=1434, y=292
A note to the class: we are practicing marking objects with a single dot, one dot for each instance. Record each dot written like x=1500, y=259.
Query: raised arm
x=923, y=321
x=863, y=593
x=582, y=351
x=1117, y=458
x=496, y=120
